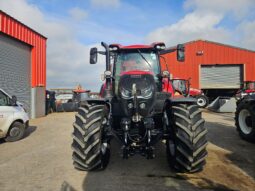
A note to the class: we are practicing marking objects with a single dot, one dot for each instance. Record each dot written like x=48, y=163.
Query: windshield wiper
x=143, y=57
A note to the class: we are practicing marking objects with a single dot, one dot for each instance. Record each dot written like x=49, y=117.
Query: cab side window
x=4, y=99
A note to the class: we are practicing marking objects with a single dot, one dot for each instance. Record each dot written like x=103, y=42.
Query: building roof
x=220, y=44
x=168, y=50
x=4, y=13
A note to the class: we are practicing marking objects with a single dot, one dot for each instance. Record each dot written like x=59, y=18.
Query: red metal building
x=212, y=66
x=23, y=53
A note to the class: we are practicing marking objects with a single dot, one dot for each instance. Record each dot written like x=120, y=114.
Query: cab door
x=6, y=113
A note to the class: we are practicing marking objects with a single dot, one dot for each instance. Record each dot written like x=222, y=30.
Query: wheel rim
x=14, y=132
x=244, y=119
x=201, y=101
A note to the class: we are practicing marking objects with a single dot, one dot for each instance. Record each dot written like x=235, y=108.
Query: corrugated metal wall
x=15, y=69
x=217, y=76
x=202, y=52
x=16, y=29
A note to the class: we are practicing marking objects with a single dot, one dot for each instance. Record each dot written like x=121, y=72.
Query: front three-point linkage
x=141, y=145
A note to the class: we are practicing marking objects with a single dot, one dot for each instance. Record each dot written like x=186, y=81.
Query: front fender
x=181, y=100
x=96, y=101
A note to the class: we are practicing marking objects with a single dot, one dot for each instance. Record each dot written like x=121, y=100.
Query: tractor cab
x=135, y=60
x=247, y=88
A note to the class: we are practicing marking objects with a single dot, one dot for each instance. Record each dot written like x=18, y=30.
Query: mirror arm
x=101, y=52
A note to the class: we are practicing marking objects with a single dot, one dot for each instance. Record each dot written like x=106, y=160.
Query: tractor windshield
x=136, y=60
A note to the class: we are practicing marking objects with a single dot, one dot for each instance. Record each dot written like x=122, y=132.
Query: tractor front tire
x=202, y=101
x=186, y=146
x=89, y=150
x=245, y=120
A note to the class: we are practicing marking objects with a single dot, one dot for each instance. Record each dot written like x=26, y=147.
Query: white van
x=13, y=118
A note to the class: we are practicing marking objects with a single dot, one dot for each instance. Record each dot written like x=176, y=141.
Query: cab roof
x=137, y=46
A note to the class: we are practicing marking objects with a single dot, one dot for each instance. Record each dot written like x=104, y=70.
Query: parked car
x=13, y=118
x=64, y=98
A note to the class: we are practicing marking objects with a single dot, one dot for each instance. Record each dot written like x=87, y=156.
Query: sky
x=74, y=26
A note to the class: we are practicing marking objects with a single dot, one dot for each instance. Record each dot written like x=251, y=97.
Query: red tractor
x=139, y=108
x=202, y=99
x=245, y=111
x=247, y=88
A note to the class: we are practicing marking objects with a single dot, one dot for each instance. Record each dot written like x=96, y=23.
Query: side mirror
x=93, y=55
x=14, y=100
x=180, y=52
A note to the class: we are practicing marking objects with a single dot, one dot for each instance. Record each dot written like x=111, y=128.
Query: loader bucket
x=223, y=105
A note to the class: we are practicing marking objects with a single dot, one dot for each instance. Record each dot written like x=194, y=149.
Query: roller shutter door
x=221, y=76
x=15, y=59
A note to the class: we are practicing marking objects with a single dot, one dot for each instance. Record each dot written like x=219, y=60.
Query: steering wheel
x=177, y=91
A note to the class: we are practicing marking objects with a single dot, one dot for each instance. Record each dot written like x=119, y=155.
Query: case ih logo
x=135, y=76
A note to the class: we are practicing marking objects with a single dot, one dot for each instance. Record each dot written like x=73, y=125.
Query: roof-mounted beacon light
x=114, y=47
x=159, y=45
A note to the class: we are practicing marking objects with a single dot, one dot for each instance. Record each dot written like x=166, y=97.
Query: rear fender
x=248, y=98
x=180, y=100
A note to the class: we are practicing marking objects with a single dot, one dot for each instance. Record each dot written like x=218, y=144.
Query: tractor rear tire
x=245, y=120
x=186, y=146
x=90, y=152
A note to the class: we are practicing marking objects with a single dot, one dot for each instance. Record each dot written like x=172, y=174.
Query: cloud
x=67, y=57
x=247, y=31
x=203, y=21
x=192, y=26
x=78, y=13
x=239, y=8
x=29, y=14
x=105, y=3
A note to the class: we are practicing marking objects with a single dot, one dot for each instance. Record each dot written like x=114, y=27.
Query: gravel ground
x=42, y=161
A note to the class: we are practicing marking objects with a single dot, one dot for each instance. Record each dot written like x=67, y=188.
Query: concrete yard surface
x=42, y=161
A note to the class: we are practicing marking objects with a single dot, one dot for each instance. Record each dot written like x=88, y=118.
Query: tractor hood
x=195, y=92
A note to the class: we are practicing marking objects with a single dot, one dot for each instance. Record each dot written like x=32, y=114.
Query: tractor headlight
x=126, y=94
x=147, y=93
